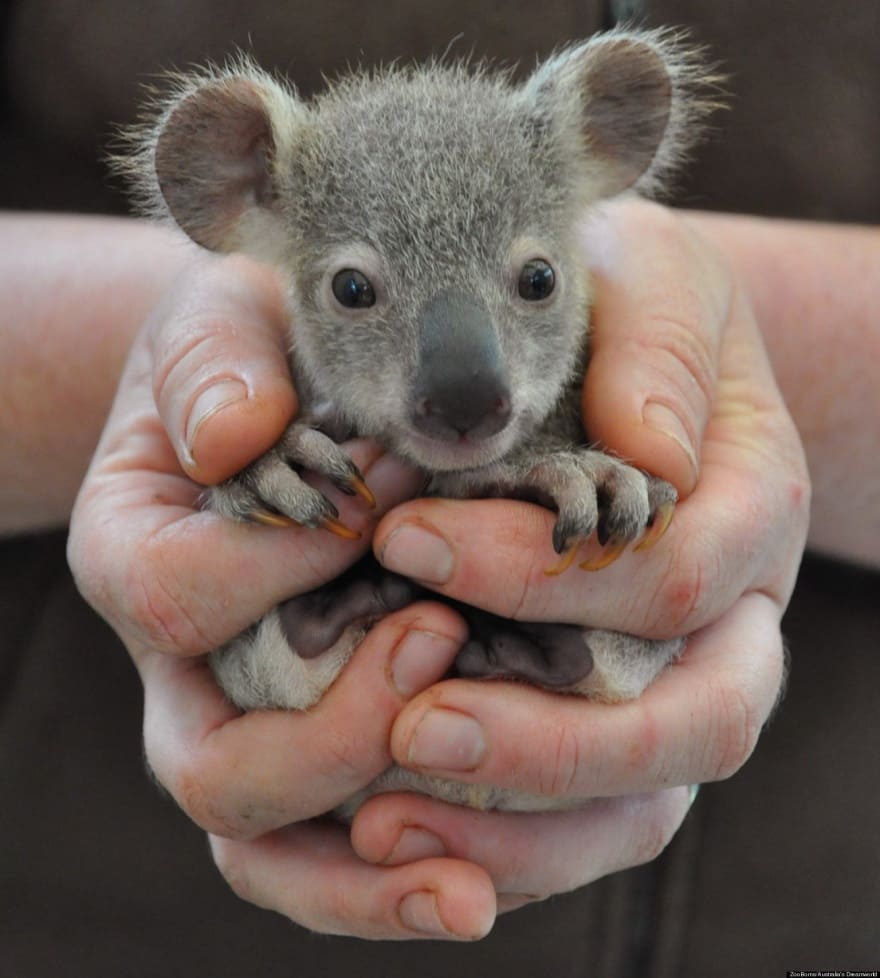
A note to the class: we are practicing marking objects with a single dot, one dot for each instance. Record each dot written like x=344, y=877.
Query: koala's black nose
x=473, y=406
x=461, y=385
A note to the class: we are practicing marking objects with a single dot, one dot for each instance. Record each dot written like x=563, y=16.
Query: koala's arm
x=74, y=290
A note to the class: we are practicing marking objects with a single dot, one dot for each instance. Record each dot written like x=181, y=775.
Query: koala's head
x=425, y=220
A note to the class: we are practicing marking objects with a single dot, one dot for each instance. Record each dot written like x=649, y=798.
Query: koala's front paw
x=595, y=492
x=271, y=491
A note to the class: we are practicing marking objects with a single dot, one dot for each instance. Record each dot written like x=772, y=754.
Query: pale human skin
x=413, y=866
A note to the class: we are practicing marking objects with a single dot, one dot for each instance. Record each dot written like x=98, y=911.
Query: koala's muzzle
x=461, y=388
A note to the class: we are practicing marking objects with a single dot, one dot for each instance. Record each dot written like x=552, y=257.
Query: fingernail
x=693, y=791
x=418, y=912
x=421, y=658
x=414, y=844
x=663, y=419
x=210, y=401
x=447, y=740
x=418, y=552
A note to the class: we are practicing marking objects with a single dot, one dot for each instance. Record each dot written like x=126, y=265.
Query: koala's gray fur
x=438, y=185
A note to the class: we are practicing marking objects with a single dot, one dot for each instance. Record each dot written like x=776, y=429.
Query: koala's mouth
x=450, y=454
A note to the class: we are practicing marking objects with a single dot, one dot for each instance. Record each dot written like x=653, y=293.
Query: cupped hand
x=206, y=389
x=670, y=330
x=679, y=383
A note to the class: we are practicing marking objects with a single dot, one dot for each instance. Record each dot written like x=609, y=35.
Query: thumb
x=661, y=301
x=221, y=379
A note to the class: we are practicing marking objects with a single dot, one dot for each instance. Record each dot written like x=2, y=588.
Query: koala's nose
x=461, y=387
x=473, y=406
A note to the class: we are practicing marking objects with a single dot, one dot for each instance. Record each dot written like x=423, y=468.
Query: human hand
x=458, y=897
x=206, y=388
x=671, y=329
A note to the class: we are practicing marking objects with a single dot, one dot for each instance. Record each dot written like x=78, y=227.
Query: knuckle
x=655, y=831
x=89, y=573
x=798, y=497
x=158, y=606
x=345, y=756
x=681, y=353
x=196, y=788
x=737, y=728
x=560, y=778
x=190, y=353
x=189, y=789
x=684, y=588
x=338, y=909
x=646, y=753
x=232, y=867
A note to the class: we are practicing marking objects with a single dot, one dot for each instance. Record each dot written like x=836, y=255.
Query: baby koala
x=425, y=219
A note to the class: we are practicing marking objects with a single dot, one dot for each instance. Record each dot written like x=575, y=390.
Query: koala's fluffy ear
x=212, y=154
x=624, y=104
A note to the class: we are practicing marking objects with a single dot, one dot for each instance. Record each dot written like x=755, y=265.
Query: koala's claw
x=270, y=491
x=618, y=502
x=607, y=556
x=330, y=523
x=568, y=558
x=339, y=529
x=357, y=487
x=657, y=525
x=268, y=518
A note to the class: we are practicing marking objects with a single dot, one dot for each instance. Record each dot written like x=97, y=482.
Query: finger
x=698, y=722
x=242, y=775
x=661, y=300
x=528, y=856
x=221, y=377
x=309, y=873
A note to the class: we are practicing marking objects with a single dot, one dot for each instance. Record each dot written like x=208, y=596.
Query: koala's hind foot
x=270, y=490
x=291, y=656
x=552, y=656
x=592, y=662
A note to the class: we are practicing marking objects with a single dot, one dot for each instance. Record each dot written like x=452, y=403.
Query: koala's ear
x=622, y=104
x=216, y=151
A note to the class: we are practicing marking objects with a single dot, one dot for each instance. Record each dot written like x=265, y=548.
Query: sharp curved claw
x=662, y=519
x=339, y=529
x=268, y=518
x=363, y=490
x=615, y=548
x=568, y=558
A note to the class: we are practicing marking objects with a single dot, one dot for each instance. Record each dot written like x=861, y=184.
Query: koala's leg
x=271, y=491
x=291, y=656
x=600, y=664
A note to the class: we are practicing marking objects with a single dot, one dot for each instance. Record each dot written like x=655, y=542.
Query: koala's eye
x=536, y=280
x=353, y=289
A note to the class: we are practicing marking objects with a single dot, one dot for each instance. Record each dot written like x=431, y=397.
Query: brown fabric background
x=777, y=869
